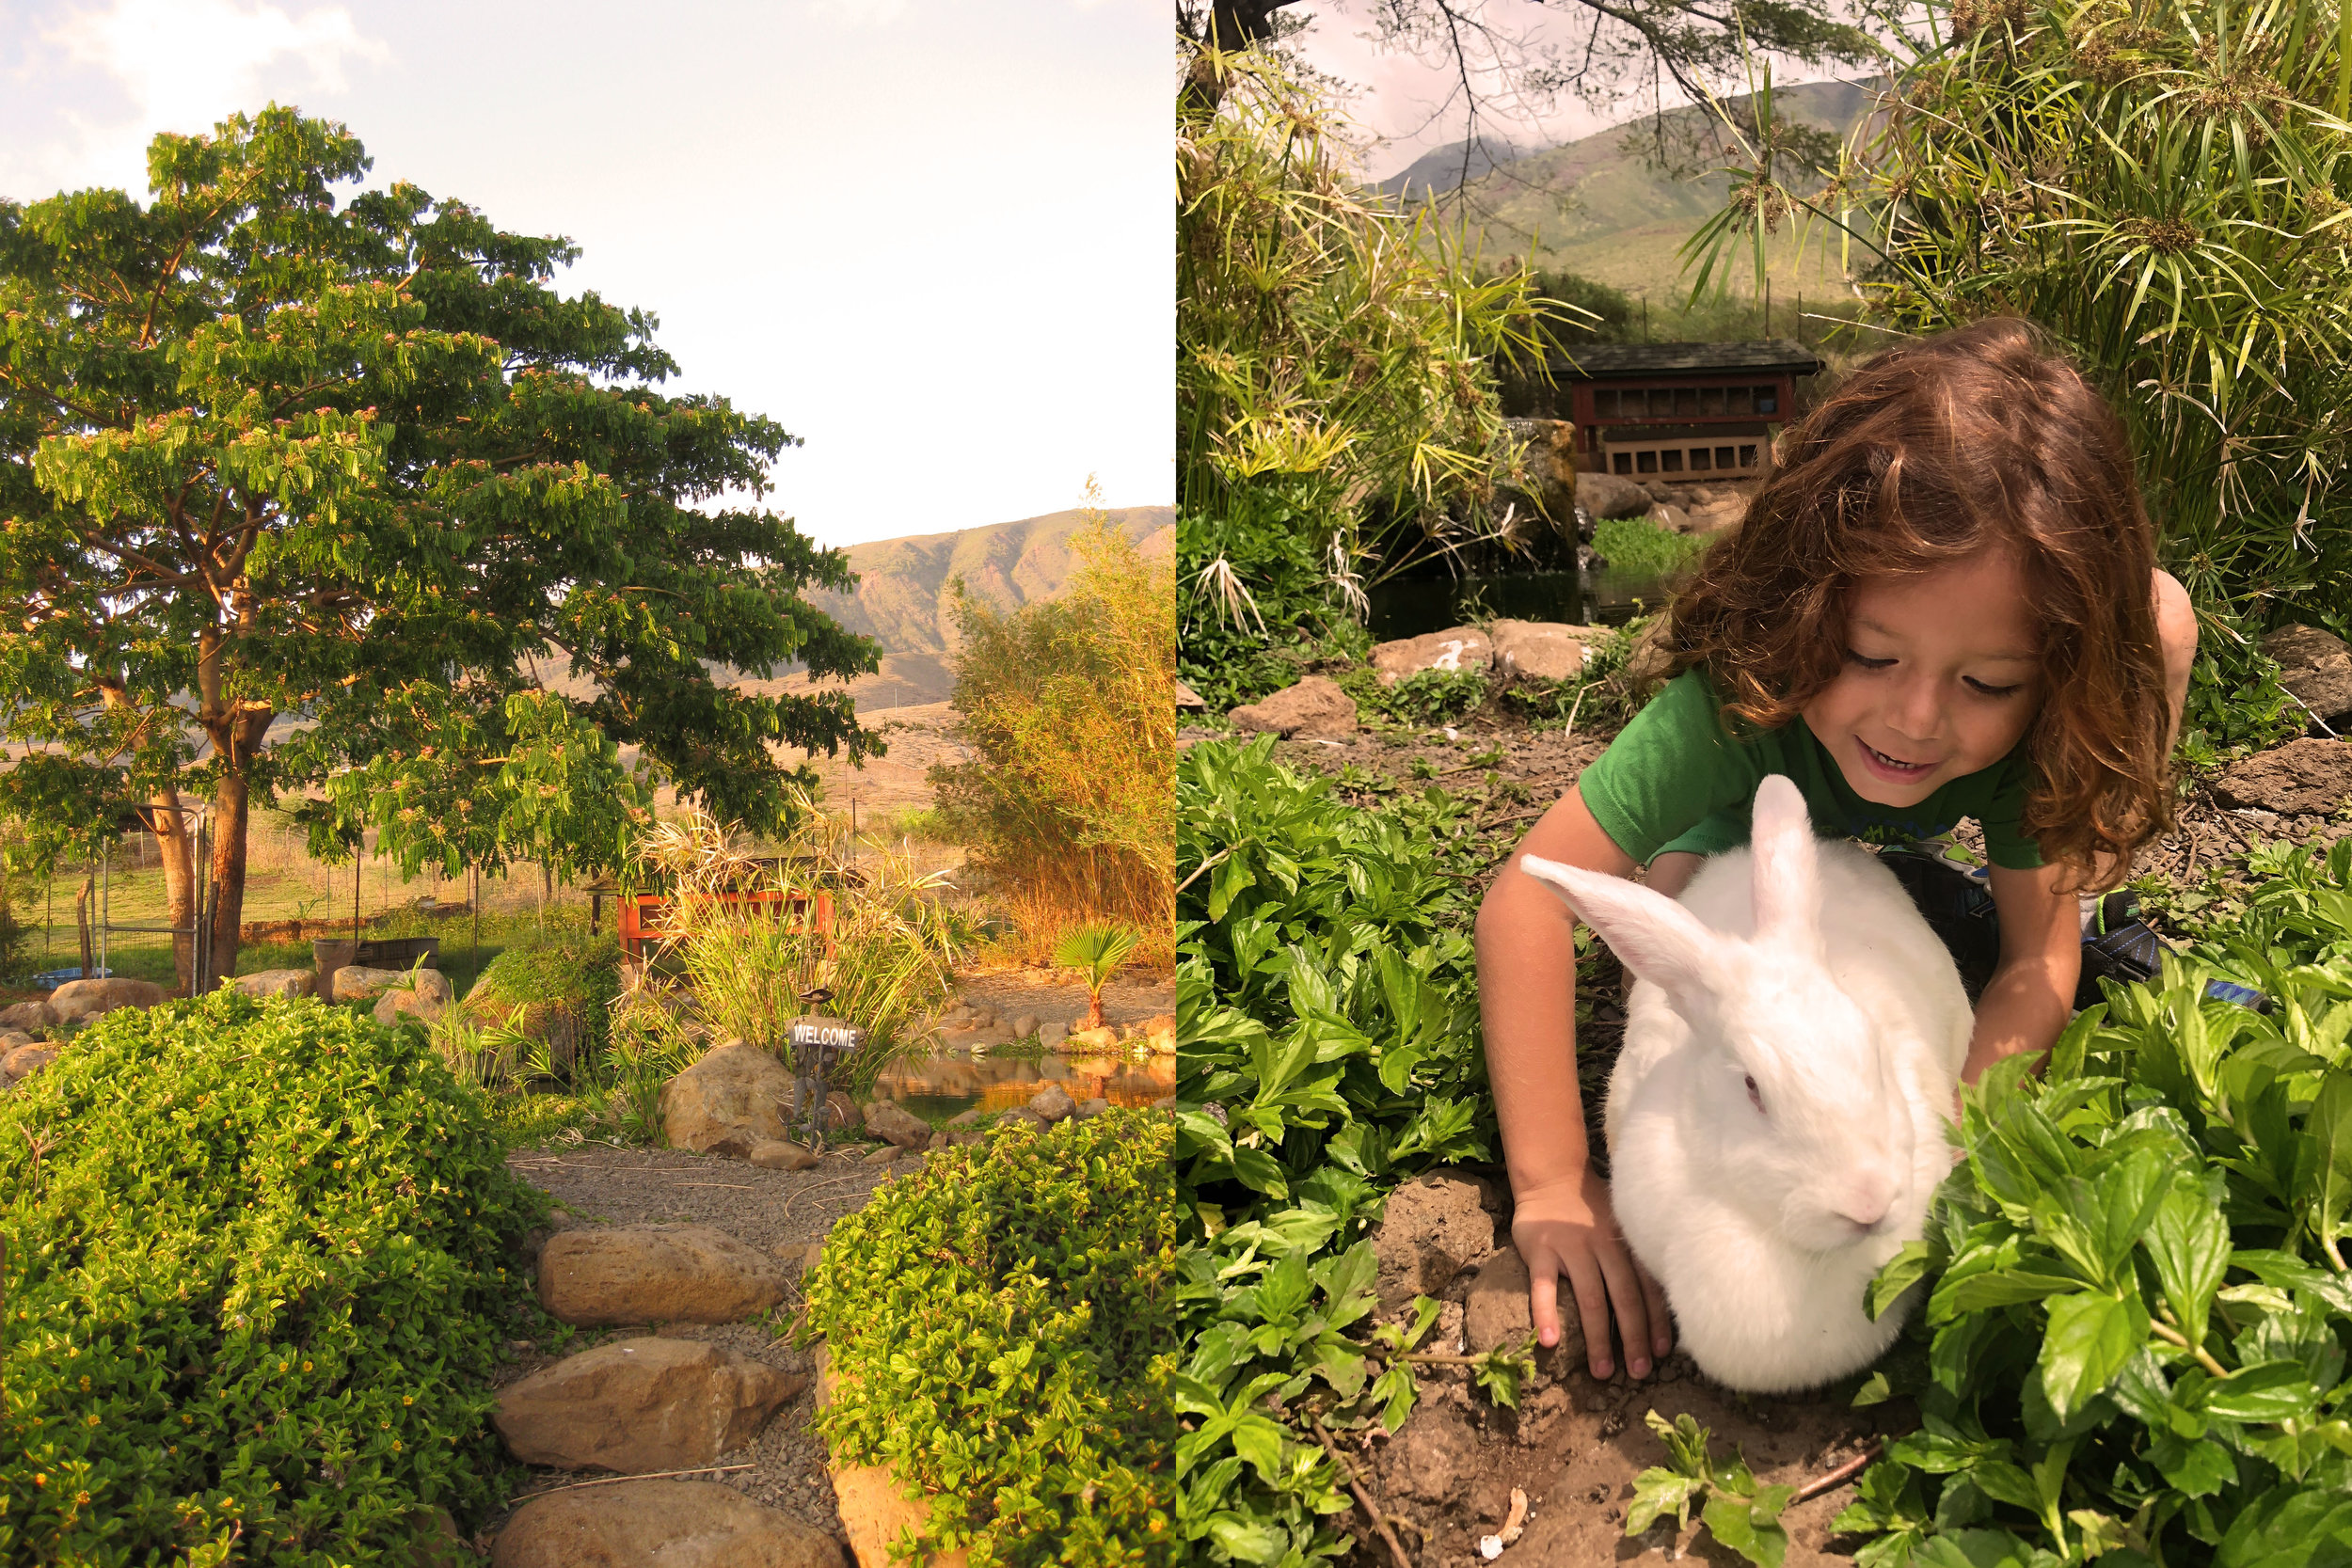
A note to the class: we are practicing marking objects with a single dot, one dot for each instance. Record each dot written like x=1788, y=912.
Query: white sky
x=932, y=237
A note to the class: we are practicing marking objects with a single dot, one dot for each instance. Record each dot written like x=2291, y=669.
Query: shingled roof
x=1592, y=362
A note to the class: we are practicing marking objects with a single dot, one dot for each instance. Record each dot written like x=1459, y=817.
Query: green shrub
x=256, y=1281
x=1001, y=1326
x=558, y=992
x=1422, y=699
x=1638, y=544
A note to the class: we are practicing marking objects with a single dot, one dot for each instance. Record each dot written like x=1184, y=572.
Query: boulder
x=980, y=1033
x=1052, y=1033
x=287, y=983
x=643, y=1274
x=88, y=999
x=28, y=1015
x=1102, y=1038
x=633, y=1405
x=1159, y=1035
x=677, y=1524
x=874, y=1508
x=1025, y=1026
x=1432, y=1228
x=1052, y=1104
x=1188, y=701
x=1543, y=650
x=2303, y=778
x=893, y=1122
x=1092, y=1108
x=426, y=998
x=353, y=983
x=1672, y=519
x=963, y=1122
x=771, y=1154
x=22, y=1062
x=2316, y=667
x=1316, y=709
x=736, y=1096
x=1458, y=650
x=880, y=1156
x=1608, y=496
x=1549, y=464
x=11, y=1038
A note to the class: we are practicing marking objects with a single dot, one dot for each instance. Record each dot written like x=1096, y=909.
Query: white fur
x=1802, y=963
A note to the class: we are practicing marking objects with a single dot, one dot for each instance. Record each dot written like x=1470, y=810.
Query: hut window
x=1699, y=456
x=1711, y=401
x=1738, y=399
x=1722, y=457
x=1686, y=399
x=1645, y=461
x=1747, y=457
x=1620, y=462
x=1767, y=400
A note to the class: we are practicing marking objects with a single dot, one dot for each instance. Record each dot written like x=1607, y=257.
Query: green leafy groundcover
x=2134, y=1346
x=1001, y=1329
x=254, y=1287
x=1328, y=1014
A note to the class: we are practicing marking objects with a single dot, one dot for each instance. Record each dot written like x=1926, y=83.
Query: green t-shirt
x=1677, y=779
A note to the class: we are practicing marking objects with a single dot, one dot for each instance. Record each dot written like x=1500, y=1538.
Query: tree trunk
x=177, y=849
x=230, y=800
x=81, y=922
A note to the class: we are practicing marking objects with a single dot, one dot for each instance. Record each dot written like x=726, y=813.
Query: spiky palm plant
x=1095, y=951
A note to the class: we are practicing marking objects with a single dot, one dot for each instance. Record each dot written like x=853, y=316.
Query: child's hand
x=1569, y=1228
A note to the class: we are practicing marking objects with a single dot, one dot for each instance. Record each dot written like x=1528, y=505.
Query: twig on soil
x=1517, y=816
x=787, y=1207
x=650, y=1475
x=1363, y=1498
x=1841, y=1474
x=731, y=1186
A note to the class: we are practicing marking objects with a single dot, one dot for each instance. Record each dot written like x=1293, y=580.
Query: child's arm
x=2031, y=993
x=1561, y=1222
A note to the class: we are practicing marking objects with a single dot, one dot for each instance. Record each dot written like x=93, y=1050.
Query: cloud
x=172, y=65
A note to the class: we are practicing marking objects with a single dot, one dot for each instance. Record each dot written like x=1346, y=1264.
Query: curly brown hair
x=1984, y=437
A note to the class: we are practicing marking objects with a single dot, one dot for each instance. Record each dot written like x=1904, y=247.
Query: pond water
x=1604, y=596
x=955, y=1081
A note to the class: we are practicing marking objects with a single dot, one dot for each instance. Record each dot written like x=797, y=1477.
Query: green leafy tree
x=271, y=453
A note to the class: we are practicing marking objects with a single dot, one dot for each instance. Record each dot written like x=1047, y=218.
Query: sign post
x=818, y=1043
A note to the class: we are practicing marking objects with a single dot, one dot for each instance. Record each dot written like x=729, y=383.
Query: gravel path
x=777, y=1212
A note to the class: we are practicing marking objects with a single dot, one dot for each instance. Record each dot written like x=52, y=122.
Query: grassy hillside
x=1593, y=207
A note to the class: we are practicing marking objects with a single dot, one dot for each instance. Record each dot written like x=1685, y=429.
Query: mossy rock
x=560, y=993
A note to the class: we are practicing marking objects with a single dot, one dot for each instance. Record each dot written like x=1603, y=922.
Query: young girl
x=1943, y=603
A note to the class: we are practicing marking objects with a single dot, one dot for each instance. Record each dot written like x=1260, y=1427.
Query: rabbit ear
x=1787, y=887
x=1655, y=937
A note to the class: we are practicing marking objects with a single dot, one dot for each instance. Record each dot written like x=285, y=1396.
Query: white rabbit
x=1775, y=1122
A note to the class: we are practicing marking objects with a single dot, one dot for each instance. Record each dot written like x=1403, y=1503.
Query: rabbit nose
x=1866, y=1201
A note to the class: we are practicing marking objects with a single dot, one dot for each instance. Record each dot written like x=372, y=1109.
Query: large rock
x=1549, y=462
x=769, y=1154
x=275, y=982
x=1314, y=709
x=354, y=983
x=2316, y=667
x=634, y=1405
x=894, y=1124
x=1457, y=650
x=1432, y=1228
x=1159, y=1035
x=736, y=1096
x=28, y=1015
x=2303, y=778
x=1188, y=701
x=23, y=1061
x=1052, y=1103
x=1542, y=650
x=676, y=1524
x=1608, y=495
x=427, y=999
x=1672, y=519
x=644, y=1273
x=88, y=999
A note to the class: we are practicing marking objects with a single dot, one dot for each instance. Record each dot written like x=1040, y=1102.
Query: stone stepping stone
x=642, y=1404
x=646, y=1274
x=677, y=1524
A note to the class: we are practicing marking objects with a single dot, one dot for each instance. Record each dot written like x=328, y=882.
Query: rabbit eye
x=1754, y=1097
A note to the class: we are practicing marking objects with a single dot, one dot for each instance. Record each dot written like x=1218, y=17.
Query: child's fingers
x=1592, y=1310
x=1627, y=1296
x=1661, y=1323
x=1543, y=1299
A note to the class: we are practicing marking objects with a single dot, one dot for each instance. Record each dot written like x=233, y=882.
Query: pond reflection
x=952, y=1083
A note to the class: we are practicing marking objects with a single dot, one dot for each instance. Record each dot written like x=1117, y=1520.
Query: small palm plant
x=1096, y=952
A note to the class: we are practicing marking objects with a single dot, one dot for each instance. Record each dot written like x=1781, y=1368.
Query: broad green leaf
x=1733, y=1522
x=1657, y=1493
x=1900, y=1271
x=2189, y=1244
x=2090, y=1337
